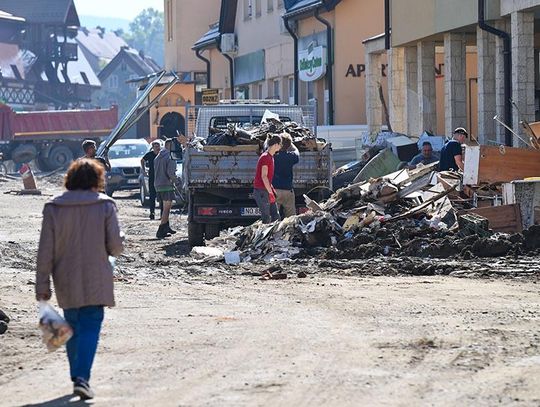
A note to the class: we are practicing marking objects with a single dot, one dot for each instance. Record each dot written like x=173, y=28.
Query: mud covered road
x=382, y=331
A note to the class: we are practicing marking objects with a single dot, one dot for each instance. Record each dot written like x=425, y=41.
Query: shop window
x=269, y=5
x=311, y=90
x=258, y=8
x=248, y=9
x=242, y=92
x=291, y=90
x=276, y=89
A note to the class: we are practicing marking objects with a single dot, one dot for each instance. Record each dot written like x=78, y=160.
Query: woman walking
x=79, y=232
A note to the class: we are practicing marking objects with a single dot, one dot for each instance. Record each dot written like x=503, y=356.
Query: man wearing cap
x=451, y=153
x=89, y=148
x=164, y=178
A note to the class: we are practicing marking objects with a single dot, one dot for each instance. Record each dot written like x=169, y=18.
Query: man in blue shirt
x=451, y=153
x=426, y=157
x=284, y=161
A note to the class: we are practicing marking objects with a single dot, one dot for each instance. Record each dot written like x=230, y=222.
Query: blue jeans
x=81, y=348
x=269, y=211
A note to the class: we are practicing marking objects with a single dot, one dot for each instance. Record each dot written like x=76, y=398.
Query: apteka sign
x=312, y=63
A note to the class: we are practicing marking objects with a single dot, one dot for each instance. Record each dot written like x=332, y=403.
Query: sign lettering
x=312, y=64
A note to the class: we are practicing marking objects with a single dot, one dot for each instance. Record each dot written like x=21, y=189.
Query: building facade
x=118, y=78
x=185, y=22
x=331, y=32
x=485, y=55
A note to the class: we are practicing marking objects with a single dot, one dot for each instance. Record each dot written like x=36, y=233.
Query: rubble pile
x=302, y=137
x=410, y=213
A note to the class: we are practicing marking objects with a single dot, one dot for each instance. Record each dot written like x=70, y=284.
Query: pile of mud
x=403, y=239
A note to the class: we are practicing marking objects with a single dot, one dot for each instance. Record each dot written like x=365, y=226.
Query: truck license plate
x=250, y=212
x=132, y=181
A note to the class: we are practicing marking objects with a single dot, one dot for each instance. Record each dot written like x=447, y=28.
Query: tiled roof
x=100, y=43
x=142, y=65
x=208, y=39
x=43, y=11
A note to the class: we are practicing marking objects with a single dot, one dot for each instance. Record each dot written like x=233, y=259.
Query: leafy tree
x=146, y=33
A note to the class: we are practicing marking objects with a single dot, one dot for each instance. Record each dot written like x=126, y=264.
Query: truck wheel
x=42, y=163
x=211, y=230
x=59, y=156
x=142, y=196
x=195, y=234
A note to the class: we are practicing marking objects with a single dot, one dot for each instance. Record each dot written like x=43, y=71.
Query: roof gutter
x=387, y=23
x=304, y=10
x=208, y=66
x=507, y=53
x=329, y=70
x=295, y=45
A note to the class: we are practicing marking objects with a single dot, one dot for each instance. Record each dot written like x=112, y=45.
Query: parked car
x=125, y=157
x=144, y=194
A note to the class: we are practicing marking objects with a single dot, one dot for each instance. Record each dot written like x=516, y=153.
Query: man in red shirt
x=263, y=192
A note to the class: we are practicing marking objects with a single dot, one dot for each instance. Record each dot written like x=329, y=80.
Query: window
x=311, y=90
x=169, y=11
x=280, y=3
x=276, y=89
x=291, y=90
x=248, y=9
x=269, y=5
x=123, y=67
x=112, y=82
x=258, y=8
x=133, y=85
x=260, y=91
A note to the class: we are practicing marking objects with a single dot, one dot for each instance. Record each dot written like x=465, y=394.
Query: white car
x=125, y=158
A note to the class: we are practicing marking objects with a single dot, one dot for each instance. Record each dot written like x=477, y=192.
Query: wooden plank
x=244, y=147
x=503, y=218
x=491, y=165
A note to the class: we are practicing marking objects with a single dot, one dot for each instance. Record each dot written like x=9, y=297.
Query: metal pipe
x=387, y=24
x=117, y=131
x=231, y=66
x=498, y=120
x=507, y=52
x=296, y=71
x=330, y=62
x=208, y=66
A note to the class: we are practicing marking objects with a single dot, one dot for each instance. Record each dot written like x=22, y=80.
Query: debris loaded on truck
x=302, y=137
x=414, y=213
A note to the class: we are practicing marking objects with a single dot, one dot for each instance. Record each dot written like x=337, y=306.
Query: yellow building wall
x=185, y=22
x=352, y=22
x=175, y=101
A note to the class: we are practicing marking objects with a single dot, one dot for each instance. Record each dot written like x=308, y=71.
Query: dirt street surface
x=380, y=331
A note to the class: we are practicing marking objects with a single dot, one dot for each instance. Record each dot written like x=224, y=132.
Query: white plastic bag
x=55, y=330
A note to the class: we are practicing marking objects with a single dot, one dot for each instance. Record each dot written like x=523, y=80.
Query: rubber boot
x=162, y=231
x=169, y=230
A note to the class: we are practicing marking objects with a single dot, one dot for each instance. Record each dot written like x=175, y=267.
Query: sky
x=124, y=9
